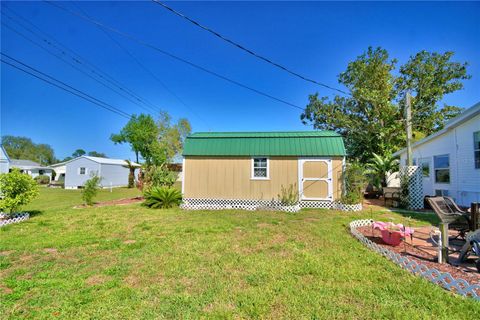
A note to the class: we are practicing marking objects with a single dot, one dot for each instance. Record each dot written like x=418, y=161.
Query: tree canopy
x=371, y=118
x=155, y=141
x=24, y=148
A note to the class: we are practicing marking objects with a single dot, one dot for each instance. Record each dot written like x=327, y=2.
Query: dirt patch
x=464, y=271
x=132, y=281
x=118, y=202
x=311, y=219
x=264, y=225
x=50, y=250
x=96, y=280
x=6, y=290
x=6, y=253
x=129, y=241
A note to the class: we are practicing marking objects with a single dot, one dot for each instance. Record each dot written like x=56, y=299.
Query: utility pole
x=408, y=124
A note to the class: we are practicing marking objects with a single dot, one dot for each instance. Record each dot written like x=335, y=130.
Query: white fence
x=19, y=217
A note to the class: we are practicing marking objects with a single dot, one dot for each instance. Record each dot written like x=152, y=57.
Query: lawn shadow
x=34, y=213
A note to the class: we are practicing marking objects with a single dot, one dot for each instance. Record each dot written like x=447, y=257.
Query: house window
x=476, y=149
x=41, y=172
x=82, y=170
x=260, y=168
x=425, y=166
x=442, y=193
x=441, y=166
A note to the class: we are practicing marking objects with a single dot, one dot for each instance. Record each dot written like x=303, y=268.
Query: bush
x=289, y=196
x=42, y=179
x=90, y=189
x=158, y=176
x=16, y=189
x=355, y=181
x=162, y=197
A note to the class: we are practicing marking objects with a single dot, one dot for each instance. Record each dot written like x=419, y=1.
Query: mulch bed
x=113, y=202
x=422, y=257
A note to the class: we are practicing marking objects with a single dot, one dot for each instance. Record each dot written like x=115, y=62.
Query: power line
x=77, y=59
x=251, y=52
x=74, y=66
x=61, y=85
x=171, y=55
x=141, y=65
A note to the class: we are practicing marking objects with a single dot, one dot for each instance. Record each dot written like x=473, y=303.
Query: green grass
x=130, y=262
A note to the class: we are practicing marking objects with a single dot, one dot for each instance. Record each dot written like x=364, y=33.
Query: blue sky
x=316, y=39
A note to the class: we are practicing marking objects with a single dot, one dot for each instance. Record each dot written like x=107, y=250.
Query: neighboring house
x=450, y=158
x=31, y=168
x=4, y=160
x=238, y=167
x=60, y=169
x=113, y=172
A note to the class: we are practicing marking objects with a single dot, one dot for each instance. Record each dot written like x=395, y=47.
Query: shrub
x=42, y=179
x=158, y=176
x=90, y=189
x=162, y=197
x=289, y=196
x=355, y=181
x=16, y=189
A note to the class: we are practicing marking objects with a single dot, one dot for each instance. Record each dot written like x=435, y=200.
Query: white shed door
x=315, y=179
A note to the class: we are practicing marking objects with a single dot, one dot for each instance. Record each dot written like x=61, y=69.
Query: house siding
x=464, y=183
x=114, y=175
x=73, y=179
x=230, y=177
x=4, y=162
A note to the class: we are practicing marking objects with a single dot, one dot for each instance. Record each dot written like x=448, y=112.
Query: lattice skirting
x=19, y=217
x=443, y=279
x=250, y=204
x=412, y=187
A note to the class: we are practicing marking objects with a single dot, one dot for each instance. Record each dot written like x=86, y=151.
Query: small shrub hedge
x=16, y=190
x=42, y=179
x=90, y=189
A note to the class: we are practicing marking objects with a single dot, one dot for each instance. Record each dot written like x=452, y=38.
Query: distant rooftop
x=25, y=164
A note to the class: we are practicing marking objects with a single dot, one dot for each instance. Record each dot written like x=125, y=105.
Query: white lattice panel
x=412, y=188
x=19, y=217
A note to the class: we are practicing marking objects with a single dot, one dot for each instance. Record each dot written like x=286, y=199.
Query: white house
x=113, y=172
x=60, y=169
x=4, y=160
x=450, y=158
x=31, y=168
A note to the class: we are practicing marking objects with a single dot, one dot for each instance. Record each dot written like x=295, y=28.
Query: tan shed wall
x=230, y=178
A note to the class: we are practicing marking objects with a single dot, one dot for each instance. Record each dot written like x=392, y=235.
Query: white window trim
x=475, y=150
x=428, y=161
x=252, y=171
x=442, y=168
x=80, y=171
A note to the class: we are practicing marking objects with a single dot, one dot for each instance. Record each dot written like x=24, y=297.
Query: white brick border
x=443, y=279
x=251, y=205
x=18, y=217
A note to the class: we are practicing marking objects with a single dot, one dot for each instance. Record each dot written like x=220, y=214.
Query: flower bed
x=443, y=279
x=18, y=217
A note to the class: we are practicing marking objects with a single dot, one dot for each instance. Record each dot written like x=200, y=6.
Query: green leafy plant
x=16, y=190
x=162, y=197
x=42, y=179
x=355, y=181
x=158, y=176
x=90, y=189
x=289, y=196
x=379, y=167
x=131, y=174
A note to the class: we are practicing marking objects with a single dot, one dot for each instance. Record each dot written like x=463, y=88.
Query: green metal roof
x=294, y=143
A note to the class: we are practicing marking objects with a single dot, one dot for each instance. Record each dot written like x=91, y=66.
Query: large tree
x=371, y=117
x=24, y=148
x=172, y=135
x=141, y=132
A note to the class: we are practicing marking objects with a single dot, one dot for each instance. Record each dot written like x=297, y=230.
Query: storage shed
x=235, y=169
x=113, y=172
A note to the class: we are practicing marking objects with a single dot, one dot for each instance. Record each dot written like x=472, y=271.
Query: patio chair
x=449, y=212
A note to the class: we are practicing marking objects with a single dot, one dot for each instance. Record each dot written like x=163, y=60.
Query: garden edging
x=18, y=217
x=443, y=279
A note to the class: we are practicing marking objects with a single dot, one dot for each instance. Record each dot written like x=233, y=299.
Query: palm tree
x=131, y=174
x=382, y=166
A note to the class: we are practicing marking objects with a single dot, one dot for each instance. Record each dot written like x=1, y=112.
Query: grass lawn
x=131, y=262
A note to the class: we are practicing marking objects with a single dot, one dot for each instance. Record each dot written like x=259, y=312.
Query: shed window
x=476, y=149
x=441, y=165
x=82, y=170
x=260, y=168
